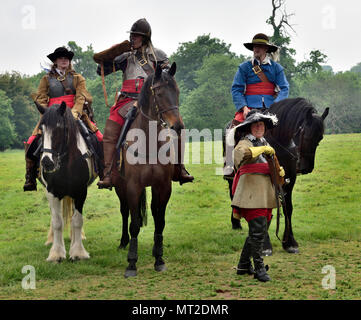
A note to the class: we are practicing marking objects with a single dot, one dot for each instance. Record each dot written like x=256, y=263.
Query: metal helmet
x=141, y=27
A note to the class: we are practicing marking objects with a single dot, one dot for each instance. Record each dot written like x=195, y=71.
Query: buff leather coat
x=254, y=190
x=82, y=95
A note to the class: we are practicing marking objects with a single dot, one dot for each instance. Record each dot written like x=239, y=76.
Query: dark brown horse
x=295, y=141
x=143, y=166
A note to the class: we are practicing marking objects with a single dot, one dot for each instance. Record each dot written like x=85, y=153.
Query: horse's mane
x=291, y=113
x=145, y=92
x=52, y=118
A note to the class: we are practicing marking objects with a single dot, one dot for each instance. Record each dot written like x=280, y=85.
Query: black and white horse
x=66, y=170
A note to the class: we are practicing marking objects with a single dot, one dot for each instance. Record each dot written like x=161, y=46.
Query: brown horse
x=142, y=165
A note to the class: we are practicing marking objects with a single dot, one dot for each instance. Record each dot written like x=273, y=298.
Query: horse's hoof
x=130, y=273
x=160, y=268
x=292, y=250
x=57, y=260
x=267, y=253
x=123, y=245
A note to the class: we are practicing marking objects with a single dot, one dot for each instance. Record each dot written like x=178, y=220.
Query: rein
x=301, y=131
x=158, y=111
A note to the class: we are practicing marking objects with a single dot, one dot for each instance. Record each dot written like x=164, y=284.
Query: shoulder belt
x=143, y=62
x=259, y=72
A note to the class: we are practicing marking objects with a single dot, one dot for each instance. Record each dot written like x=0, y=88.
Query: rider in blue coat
x=260, y=82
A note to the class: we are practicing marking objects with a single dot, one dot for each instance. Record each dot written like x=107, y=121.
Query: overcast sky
x=31, y=29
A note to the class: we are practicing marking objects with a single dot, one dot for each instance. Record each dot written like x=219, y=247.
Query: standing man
x=137, y=63
x=260, y=82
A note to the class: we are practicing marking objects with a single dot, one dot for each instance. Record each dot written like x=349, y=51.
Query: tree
x=340, y=92
x=83, y=62
x=25, y=115
x=210, y=104
x=190, y=55
x=280, y=22
x=356, y=68
x=7, y=131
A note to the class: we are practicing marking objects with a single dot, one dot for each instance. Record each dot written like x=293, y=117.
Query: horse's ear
x=40, y=107
x=173, y=69
x=158, y=72
x=62, y=108
x=325, y=113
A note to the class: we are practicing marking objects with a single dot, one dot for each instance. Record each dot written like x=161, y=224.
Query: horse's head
x=58, y=129
x=164, y=97
x=308, y=137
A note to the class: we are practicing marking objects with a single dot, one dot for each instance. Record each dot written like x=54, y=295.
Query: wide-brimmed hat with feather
x=270, y=120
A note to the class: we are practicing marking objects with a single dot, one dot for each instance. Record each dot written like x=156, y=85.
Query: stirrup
x=102, y=185
x=186, y=178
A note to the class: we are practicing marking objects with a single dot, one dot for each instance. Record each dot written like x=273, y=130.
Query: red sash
x=267, y=88
x=132, y=85
x=68, y=99
x=249, y=168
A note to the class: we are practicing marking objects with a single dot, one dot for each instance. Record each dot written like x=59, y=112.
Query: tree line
x=205, y=72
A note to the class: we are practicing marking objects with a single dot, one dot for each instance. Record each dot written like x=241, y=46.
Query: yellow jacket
x=42, y=95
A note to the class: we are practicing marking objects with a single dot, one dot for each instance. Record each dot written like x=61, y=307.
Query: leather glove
x=75, y=114
x=256, y=151
x=282, y=172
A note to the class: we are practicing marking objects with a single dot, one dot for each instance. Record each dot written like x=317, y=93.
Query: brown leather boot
x=110, y=139
x=180, y=173
x=31, y=172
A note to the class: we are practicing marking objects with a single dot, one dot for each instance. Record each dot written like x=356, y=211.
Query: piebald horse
x=66, y=170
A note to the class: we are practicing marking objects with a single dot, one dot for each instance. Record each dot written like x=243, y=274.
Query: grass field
x=201, y=249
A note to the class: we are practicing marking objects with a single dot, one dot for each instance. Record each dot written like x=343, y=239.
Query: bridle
x=159, y=112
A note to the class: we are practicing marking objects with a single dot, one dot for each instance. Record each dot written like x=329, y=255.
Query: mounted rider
x=60, y=84
x=258, y=83
x=137, y=59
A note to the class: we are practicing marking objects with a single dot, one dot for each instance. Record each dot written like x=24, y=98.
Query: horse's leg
x=160, y=198
x=124, y=209
x=77, y=250
x=50, y=238
x=288, y=242
x=133, y=196
x=236, y=224
x=57, y=252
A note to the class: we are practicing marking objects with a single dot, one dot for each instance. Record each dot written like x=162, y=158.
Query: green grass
x=200, y=247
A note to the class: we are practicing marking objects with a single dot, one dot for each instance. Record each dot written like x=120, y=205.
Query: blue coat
x=245, y=75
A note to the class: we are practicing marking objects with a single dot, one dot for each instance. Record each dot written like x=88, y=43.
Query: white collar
x=251, y=137
x=266, y=60
x=60, y=72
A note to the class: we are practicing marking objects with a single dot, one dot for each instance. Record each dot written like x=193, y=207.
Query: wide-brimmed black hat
x=261, y=38
x=61, y=52
x=270, y=120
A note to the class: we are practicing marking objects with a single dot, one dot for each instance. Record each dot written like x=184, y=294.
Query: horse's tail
x=67, y=210
x=143, y=208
